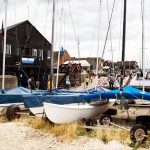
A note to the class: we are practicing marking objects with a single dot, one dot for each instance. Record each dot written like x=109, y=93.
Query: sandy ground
x=16, y=137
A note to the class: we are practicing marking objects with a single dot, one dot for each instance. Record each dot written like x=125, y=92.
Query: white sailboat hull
x=140, y=82
x=68, y=113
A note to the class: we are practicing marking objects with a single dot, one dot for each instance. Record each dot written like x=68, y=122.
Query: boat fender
x=78, y=67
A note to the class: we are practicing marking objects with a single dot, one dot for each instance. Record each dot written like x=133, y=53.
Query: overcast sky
x=79, y=19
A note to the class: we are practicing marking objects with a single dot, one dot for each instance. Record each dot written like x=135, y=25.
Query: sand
x=19, y=137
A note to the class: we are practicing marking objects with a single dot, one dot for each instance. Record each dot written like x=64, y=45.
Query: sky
x=81, y=26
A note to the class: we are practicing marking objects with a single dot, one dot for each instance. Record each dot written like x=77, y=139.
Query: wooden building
x=27, y=54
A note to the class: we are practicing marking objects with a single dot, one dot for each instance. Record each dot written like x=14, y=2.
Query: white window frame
x=8, y=49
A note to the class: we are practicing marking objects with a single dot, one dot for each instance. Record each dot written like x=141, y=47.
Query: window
x=8, y=49
x=34, y=52
x=48, y=54
x=40, y=53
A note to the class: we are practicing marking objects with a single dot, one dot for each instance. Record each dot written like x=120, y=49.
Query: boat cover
x=129, y=92
x=60, y=96
x=90, y=91
x=37, y=100
x=15, y=95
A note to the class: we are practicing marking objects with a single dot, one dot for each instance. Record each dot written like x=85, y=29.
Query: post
x=4, y=51
x=123, y=56
x=123, y=46
x=52, y=48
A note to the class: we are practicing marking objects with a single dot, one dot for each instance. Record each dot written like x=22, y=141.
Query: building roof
x=26, y=21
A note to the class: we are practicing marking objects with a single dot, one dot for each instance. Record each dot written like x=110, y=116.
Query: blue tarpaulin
x=128, y=92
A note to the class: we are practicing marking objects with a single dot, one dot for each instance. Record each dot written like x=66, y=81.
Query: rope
x=108, y=30
x=45, y=23
x=73, y=23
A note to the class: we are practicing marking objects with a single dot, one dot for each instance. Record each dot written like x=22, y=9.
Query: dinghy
x=68, y=113
x=59, y=96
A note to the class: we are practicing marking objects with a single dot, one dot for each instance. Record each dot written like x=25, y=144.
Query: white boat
x=68, y=113
x=138, y=83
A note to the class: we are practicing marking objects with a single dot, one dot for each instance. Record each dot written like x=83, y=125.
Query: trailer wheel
x=11, y=112
x=105, y=119
x=138, y=133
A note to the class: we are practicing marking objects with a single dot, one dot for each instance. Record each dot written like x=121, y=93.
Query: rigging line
x=120, y=31
x=30, y=29
x=36, y=11
x=97, y=60
x=143, y=50
x=56, y=24
x=17, y=44
x=93, y=36
x=45, y=24
x=72, y=23
x=110, y=39
x=64, y=25
x=108, y=29
x=58, y=62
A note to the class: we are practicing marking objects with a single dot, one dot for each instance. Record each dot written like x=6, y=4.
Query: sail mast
x=143, y=50
x=52, y=48
x=123, y=46
x=4, y=51
x=97, y=61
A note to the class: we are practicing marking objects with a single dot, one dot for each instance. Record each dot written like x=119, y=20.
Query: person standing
x=87, y=81
x=49, y=84
x=111, y=82
x=29, y=82
x=67, y=82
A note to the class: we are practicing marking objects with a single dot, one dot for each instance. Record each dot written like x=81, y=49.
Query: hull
x=138, y=83
x=68, y=113
x=37, y=111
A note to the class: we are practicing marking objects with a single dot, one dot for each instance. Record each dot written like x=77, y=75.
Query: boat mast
x=97, y=60
x=4, y=51
x=52, y=48
x=123, y=46
x=143, y=50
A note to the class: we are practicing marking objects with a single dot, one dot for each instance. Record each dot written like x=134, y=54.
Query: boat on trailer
x=68, y=113
x=11, y=100
x=59, y=96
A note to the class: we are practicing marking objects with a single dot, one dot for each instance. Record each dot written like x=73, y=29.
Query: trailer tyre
x=11, y=112
x=137, y=132
x=105, y=119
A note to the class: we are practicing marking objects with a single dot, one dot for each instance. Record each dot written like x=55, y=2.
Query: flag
x=62, y=52
x=2, y=31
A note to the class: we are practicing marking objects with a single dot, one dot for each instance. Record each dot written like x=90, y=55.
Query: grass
x=69, y=132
